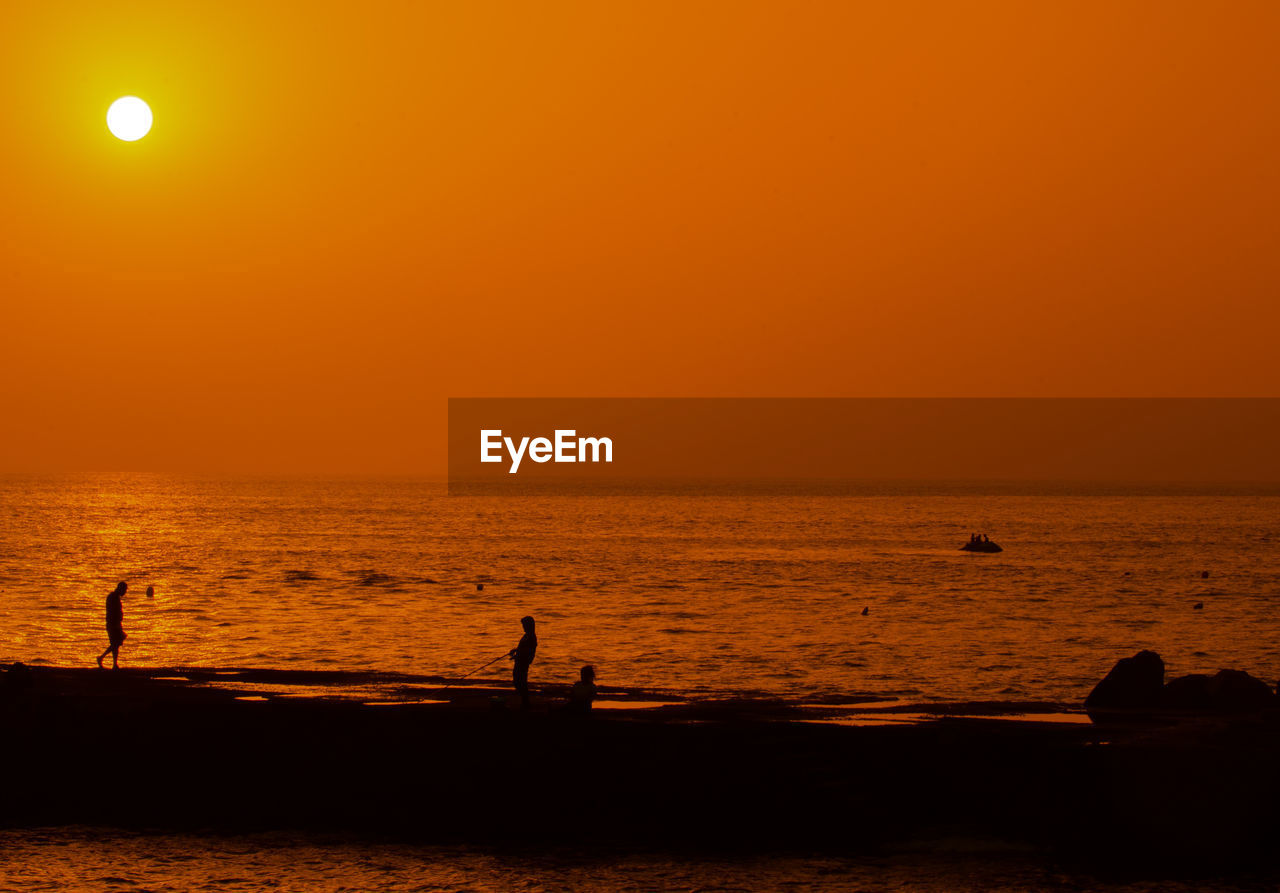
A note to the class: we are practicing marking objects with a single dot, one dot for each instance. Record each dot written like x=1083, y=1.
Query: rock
x=1235, y=691
x=1134, y=682
x=1135, y=686
x=1228, y=691
x=1188, y=692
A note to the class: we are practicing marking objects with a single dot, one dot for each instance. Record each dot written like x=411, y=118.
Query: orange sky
x=348, y=212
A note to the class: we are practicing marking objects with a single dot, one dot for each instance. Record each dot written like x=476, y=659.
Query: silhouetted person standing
x=115, y=625
x=523, y=654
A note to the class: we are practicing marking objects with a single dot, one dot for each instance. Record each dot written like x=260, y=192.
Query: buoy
x=151, y=592
x=479, y=587
x=1204, y=575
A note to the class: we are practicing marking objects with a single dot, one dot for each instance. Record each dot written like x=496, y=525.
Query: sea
x=802, y=591
x=796, y=591
x=80, y=860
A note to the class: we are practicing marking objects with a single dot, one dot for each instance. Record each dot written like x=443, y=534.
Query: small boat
x=982, y=546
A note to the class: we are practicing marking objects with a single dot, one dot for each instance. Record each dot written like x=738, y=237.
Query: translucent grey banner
x=521, y=444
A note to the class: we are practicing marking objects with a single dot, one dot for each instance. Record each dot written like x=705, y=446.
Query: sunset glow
x=607, y=446
x=1007, y=199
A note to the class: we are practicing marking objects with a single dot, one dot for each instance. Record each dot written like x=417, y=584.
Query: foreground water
x=74, y=860
x=699, y=592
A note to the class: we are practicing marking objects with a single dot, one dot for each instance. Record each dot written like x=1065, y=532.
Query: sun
x=129, y=118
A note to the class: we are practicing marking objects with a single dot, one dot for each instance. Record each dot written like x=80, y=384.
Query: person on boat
x=583, y=691
x=985, y=539
x=523, y=654
x=115, y=625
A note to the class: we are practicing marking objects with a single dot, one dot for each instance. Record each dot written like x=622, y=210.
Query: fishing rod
x=472, y=673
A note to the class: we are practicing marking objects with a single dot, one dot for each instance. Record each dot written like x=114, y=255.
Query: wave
x=374, y=578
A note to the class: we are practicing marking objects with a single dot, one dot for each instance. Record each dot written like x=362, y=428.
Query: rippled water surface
x=747, y=590
x=76, y=860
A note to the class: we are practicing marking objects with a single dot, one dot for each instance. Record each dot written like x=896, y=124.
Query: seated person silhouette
x=583, y=691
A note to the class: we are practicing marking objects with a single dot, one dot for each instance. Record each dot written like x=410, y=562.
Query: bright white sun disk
x=129, y=118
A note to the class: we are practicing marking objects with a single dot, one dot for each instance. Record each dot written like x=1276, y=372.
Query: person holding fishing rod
x=522, y=654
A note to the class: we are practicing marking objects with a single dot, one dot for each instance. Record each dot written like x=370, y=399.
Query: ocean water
x=85, y=859
x=701, y=591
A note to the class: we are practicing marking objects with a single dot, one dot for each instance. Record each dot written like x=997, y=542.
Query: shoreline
x=141, y=749
x=416, y=690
